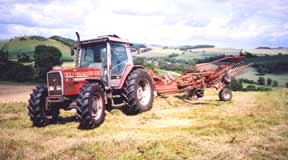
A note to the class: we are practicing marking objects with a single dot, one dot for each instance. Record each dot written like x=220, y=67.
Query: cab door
x=95, y=56
x=120, y=57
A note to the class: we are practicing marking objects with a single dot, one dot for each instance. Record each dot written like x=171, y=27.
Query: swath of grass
x=14, y=115
x=17, y=149
x=252, y=126
x=131, y=149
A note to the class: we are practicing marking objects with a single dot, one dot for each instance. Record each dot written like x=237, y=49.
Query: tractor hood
x=73, y=79
x=79, y=74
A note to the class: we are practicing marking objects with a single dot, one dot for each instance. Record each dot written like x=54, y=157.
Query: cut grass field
x=252, y=126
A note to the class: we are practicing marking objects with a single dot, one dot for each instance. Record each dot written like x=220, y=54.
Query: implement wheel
x=225, y=94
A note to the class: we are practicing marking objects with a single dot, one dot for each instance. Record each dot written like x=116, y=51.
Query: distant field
x=252, y=126
x=2, y=42
x=252, y=74
x=204, y=52
x=163, y=72
x=17, y=46
x=196, y=54
x=158, y=52
x=232, y=51
x=68, y=65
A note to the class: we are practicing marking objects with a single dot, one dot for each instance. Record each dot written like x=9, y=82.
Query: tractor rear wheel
x=39, y=115
x=225, y=94
x=91, y=106
x=138, y=92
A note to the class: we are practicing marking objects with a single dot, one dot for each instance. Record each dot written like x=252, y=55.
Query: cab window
x=119, y=58
x=93, y=55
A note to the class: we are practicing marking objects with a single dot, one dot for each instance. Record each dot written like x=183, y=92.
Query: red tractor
x=105, y=77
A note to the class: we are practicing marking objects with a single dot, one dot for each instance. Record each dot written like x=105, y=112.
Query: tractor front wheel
x=138, y=92
x=225, y=94
x=91, y=106
x=39, y=114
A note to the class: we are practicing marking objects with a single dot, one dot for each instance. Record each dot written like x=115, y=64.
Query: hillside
x=271, y=63
x=159, y=52
x=252, y=126
x=188, y=47
x=27, y=45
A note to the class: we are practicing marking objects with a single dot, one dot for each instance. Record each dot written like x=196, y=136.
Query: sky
x=223, y=23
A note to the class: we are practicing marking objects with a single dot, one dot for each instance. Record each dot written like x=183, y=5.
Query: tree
x=23, y=57
x=261, y=81
x=173, y=55
x=275, y=83
x=269, y=81
x=251, y=88
x=4, y=52
x=3, y=56
x=45, y=57
x=236, y=85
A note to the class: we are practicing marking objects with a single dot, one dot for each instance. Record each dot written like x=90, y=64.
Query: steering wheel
x=118, y=65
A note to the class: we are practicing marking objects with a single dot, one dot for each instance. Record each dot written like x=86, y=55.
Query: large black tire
x=37, y=112
x=225, y=94
x=138, y=92
x=91, y=106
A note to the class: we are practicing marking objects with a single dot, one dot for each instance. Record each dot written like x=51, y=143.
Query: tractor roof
x=106, y=38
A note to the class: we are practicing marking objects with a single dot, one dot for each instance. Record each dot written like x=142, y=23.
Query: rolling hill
x=27, y=45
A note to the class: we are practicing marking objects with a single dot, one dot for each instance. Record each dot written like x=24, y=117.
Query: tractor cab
x=110, y=54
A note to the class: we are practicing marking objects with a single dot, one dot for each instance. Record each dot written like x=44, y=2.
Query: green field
x=68, y=65
x=204, y=52
x=252, y=126
x=17, y=46
x=161, y=72
x=252, y=74
x=199, y=54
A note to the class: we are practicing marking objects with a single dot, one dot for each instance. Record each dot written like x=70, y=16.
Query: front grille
x=54, y=83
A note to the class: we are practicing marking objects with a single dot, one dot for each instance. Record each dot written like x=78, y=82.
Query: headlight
x=51, y=88
x=58, y=88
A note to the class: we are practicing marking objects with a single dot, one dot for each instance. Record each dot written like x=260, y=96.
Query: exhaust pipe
x=77, y=51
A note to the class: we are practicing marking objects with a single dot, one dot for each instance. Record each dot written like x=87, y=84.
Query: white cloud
x=225, y=22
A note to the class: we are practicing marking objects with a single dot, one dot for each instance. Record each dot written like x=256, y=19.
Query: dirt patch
x=14, y=93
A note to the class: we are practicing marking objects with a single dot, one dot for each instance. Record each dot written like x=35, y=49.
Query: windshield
x=93, y=56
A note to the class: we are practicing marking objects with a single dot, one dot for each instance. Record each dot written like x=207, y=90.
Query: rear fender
x=128, y=70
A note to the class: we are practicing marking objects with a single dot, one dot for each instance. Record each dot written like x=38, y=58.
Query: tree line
x=262, y=84
x=45, y=57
